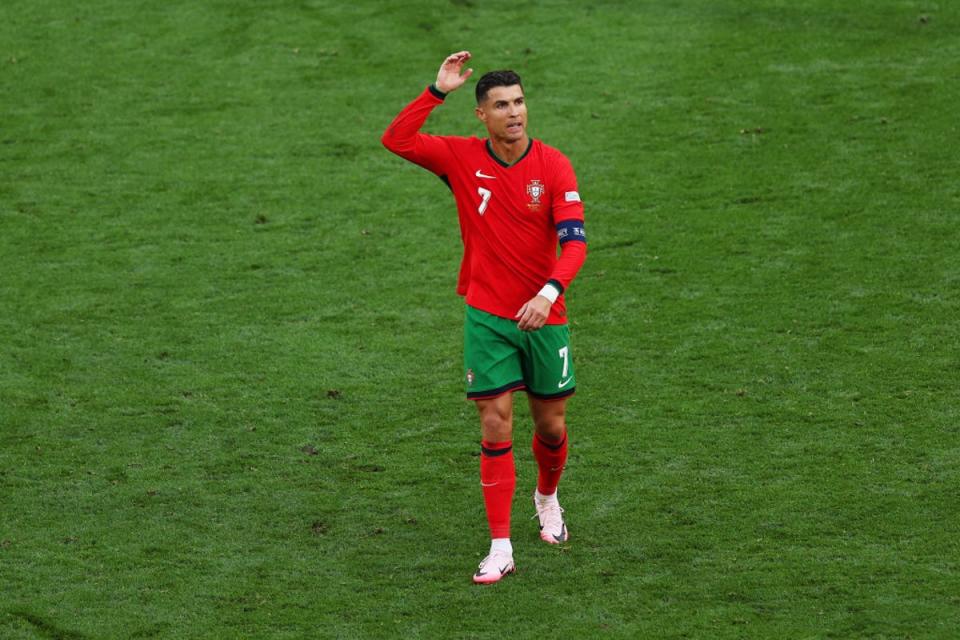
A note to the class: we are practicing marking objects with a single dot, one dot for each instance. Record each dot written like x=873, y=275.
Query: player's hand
x=449, y=78
x=533, y=314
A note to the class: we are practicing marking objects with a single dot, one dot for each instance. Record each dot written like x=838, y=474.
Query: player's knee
x=496, y=427
x=551, y=429
x=550, y=422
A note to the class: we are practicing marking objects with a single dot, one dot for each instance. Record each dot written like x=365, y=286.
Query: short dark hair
x=499, y=78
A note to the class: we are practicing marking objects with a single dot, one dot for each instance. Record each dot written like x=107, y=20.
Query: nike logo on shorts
x=564, y=383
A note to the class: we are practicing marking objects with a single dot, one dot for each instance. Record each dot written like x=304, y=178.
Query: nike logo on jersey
x=564, y=383
x=481, y=174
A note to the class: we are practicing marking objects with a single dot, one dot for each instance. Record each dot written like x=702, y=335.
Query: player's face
x=504, y=111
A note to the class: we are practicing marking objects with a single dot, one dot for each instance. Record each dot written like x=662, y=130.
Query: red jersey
x=511, y=216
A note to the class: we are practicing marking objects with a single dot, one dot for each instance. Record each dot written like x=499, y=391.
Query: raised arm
x=449, y=77
x=403, y=136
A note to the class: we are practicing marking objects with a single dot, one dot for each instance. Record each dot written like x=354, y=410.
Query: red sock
x=550, y=460
x=498, y=477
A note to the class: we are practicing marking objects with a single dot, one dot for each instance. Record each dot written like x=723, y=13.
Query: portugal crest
x=535, y=190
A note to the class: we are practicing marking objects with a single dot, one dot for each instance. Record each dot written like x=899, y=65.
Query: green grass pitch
x=230, y=381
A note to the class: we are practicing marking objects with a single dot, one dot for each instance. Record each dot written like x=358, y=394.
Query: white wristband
x=549, y=292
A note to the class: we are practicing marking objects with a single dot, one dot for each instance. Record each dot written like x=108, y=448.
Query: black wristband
x=440, y=95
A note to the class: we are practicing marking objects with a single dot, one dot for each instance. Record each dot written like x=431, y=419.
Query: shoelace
x=536, y=515
x=484, y=561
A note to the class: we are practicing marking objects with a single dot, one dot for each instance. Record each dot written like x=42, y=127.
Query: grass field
x=230, y=349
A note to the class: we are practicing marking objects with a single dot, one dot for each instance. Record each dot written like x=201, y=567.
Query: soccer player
x=516, y=200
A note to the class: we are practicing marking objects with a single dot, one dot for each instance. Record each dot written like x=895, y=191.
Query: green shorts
x=498, y=357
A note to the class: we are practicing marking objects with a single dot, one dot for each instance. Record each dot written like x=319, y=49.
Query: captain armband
x=570, y=231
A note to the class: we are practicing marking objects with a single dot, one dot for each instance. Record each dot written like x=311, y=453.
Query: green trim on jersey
x=509, y=164
x=498, y=357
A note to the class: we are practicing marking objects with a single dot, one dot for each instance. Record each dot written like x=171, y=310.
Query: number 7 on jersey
x=485, y=198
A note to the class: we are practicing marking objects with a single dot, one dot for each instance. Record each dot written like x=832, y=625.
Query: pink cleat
x=494, y=566
x=552, y=527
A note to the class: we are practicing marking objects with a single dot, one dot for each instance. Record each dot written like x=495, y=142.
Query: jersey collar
x=506, y=164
